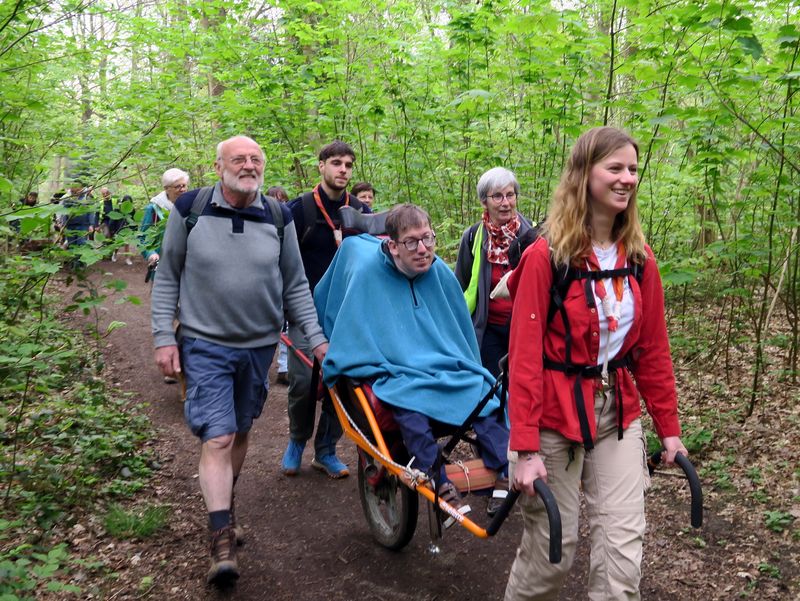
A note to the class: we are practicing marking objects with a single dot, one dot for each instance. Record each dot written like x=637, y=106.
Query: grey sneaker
x=498, y=497
x=224, y=567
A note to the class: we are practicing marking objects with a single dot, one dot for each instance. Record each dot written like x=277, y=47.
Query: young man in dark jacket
x=316, y=215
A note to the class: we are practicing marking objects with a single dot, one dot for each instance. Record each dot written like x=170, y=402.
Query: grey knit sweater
x=225, y=283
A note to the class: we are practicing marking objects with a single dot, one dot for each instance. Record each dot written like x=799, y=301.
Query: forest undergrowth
x=74, y=452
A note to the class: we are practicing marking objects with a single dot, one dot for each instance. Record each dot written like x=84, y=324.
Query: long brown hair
x=568, y=224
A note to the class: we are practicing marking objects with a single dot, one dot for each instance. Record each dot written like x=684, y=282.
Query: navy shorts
x=225, y=387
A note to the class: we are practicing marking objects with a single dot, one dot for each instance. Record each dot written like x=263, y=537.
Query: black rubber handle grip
x=694, y=484
x=553, y=516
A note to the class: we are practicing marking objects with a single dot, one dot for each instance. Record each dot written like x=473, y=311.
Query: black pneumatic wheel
x=390, y=507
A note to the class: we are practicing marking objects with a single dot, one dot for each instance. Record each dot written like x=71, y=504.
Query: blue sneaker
x=331, y=465
x=292, y=458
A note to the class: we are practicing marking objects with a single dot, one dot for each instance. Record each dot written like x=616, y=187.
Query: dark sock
x=219, y=519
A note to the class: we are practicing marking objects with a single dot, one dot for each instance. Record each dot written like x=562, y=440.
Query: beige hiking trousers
x=614, y=477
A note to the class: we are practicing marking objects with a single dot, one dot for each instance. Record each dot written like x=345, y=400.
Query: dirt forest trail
x=306, y=537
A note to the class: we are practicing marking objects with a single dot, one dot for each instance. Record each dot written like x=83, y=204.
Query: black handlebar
x=151, y=272
x=694, y=483
x=553, y=516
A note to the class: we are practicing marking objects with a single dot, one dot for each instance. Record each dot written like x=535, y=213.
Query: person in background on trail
x=319, y=230
x=279, y=193
x=175, y=183
x=230, y=267
x=80, y=222
x=127, y=224
x=483, y=261
x=364, y=192
x=35, y=239
x=109, y=225
x=423, y=361
x=30, y=199
x=27, y=201
x=573, y=405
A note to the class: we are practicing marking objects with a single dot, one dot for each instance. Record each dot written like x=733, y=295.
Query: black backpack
x=204, y=195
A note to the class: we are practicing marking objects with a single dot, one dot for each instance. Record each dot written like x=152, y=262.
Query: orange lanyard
x=611, y=310
x=327, y=217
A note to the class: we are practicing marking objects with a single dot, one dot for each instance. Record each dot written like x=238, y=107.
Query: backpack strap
x=204, y=195
x=309, y=216
x=637, y=271
x=277, y=218
x=563, y=276
x=198, y=206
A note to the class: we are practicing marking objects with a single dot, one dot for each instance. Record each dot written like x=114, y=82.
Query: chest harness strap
x=562, y=278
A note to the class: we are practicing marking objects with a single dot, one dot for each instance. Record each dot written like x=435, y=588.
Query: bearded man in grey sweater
x=229, y=269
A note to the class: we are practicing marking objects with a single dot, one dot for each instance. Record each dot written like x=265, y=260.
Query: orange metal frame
x=362, y=443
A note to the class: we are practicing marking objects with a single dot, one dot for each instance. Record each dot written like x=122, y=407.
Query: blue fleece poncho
x=414, y=338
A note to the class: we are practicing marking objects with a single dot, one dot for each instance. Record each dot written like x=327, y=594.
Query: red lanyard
x=612, y=315
x=327, y=217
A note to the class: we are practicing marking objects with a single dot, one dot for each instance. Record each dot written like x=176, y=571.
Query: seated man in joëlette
x=417, y=346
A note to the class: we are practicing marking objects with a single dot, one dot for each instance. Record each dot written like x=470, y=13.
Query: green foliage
x=778, y=521
x=431, y=95
x=769, y=569
x=23, y=570
x=695, y=441
x=137, y=523
x=64, y=441
x=719, y=472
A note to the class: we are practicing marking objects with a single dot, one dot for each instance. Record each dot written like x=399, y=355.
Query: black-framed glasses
x=412, y=244
x=498, y=196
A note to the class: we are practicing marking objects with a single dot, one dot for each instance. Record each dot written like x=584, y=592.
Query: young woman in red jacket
x=573, y=404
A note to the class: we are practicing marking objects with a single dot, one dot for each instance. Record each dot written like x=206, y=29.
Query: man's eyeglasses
x=240, y=160
x=498, y=197
x=412, y=244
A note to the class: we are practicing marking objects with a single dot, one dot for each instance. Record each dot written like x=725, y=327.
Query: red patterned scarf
x=500, y=237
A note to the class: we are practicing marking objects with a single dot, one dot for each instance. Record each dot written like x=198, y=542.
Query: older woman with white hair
x=175, y=182
x=483, y=261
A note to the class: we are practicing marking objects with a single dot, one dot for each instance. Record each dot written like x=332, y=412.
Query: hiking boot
x=170, y=380
x=498, y=497
x=224, y=568
x=292, y=458
x=450, y=495
x=331, y=465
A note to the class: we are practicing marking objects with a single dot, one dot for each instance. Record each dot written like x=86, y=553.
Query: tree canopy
x=432, y=94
